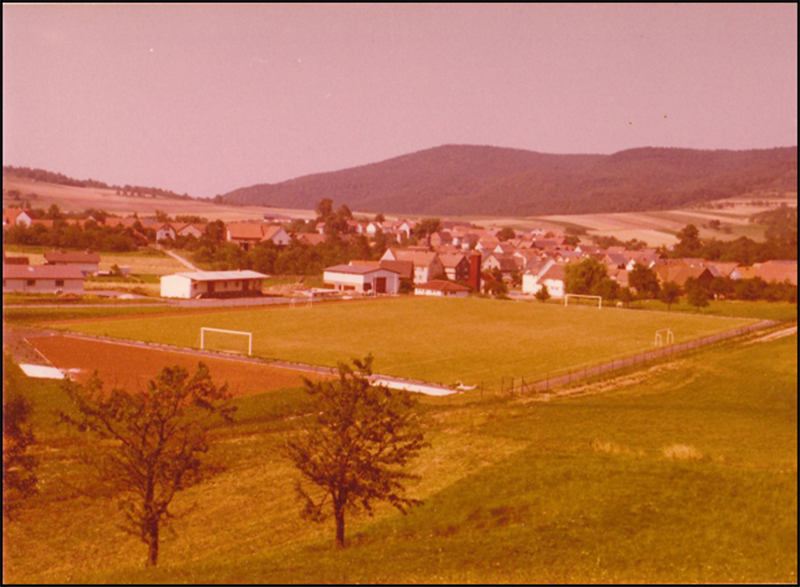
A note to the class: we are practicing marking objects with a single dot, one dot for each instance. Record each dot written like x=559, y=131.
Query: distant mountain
x=465, y=179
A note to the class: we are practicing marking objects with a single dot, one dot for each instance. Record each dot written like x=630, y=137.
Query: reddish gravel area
x=131, y=367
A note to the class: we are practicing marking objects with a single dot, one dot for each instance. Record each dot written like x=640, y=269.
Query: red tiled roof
x=778, y=271
x=245, y=230
x=73, y=257
x=41, y=272
x=355, y=269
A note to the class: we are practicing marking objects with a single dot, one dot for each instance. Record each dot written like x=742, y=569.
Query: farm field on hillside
x=659, y=227
x=443, y=341
x=682, y=473
x=78, y=199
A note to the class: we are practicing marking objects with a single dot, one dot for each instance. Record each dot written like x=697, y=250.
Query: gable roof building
x=42, y=278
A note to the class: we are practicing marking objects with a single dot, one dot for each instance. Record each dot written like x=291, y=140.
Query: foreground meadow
x=685, y=472
x=471, y=340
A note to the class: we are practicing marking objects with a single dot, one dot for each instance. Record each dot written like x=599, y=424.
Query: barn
x=212, y=284
x=42, y=278
x=362, y=279
x=87, y=262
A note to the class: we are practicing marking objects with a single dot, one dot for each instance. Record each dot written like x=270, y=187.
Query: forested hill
x=463, y=180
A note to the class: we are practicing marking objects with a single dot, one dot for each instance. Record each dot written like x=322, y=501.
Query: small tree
x=354, y=450
x=670, y=293
x=625, y=296
x=697, y=295
x=645, y=281
x=157, y=438
x=19, y=477
x=506, y=233
x=542, y=295
x=584, y=277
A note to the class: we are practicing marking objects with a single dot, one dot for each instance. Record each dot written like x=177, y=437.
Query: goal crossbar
x=249, y=336
x=578, y=296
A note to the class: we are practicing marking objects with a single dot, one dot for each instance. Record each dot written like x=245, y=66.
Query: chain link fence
x=558, y=378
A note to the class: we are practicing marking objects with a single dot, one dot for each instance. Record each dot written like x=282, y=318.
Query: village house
x=195, y=230
x=427, y=265
x=212, y=284
x=404, y=269
x=165, y=232
x=679, y=273
x=456, y=266
x=769, y=271
x=506, y=264
x=248, y=234
x=441, y=239
x=362, y=279
x=87, y=262
x=42, y=278
x=614, y=260
x=17, y=217
x=441, y=288
x=311, y=238
x=549, y=274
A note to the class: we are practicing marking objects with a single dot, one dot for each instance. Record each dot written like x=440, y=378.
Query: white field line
x=41, y=372
x=427, y=389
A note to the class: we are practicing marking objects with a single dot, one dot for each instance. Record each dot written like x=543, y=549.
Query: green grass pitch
x=436, y=340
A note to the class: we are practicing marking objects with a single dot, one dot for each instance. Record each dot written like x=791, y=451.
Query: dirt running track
x=131, y=367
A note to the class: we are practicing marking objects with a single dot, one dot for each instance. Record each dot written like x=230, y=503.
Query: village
x=427, y=257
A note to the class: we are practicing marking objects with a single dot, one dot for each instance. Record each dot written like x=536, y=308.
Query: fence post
x=512, y=386
x=502, y=384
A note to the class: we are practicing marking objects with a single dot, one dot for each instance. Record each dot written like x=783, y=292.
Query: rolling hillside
x=464, y=179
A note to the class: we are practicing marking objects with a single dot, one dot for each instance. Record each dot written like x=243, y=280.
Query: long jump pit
x=131, y=367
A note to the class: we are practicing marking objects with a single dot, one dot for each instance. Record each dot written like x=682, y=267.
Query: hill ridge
x=479, y=179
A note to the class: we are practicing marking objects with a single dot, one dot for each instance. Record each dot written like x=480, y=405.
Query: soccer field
x=437, y=340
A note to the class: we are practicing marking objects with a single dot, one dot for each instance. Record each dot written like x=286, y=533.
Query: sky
x=204, y=99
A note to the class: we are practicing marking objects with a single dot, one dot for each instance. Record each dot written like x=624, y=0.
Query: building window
x=30, y=282
x=59, y=283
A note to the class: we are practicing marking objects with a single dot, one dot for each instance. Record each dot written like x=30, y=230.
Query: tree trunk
x=152, y=544
x=338, y=514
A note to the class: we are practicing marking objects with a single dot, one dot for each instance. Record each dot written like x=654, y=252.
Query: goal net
x=580, y=299
x=226, y=340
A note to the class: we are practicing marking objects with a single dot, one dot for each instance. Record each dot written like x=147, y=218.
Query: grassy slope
x=570, y=490
x=471, y=340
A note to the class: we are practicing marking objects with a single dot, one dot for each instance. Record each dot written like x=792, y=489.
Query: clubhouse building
x=212, y=284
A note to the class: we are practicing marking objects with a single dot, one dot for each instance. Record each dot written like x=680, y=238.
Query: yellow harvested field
x=142, y=264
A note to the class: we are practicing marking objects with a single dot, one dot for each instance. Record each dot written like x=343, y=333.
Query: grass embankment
x=471, y=340
x=763, y=310
x=686, y=474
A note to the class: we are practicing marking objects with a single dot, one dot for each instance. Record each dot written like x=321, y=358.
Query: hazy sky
x=205, y=99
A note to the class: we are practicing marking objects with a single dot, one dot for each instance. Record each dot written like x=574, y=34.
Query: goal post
x=249, y=335
x=664, y=334
x=576, y=297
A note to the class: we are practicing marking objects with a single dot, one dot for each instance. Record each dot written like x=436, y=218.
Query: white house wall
x=356, y=282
